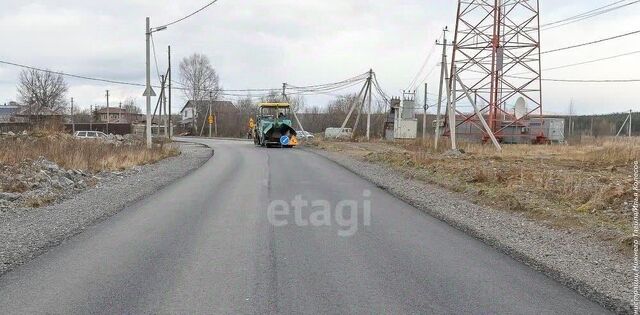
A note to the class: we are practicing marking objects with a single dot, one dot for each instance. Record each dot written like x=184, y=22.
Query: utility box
x=552, y=128
x=406, y=129
x=401, y=122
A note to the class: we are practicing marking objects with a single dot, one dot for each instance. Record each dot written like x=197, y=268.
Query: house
x=189, y=109
x=37, y=114
x=9, y=112
x=117, y=115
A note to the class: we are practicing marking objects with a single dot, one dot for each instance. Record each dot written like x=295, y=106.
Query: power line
x=424, y=65
x=593, y=81
x=77, y=76
x=578, y=19
x=190, y=15
x=591, y=43
x=592, y=61
x=153, y=44
x=585, y=62
x=581, y=15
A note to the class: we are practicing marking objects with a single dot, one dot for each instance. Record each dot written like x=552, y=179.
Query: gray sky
x=260, y=44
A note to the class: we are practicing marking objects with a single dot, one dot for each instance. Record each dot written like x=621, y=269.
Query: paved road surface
x=205, y=245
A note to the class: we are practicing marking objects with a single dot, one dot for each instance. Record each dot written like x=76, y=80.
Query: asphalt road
x=206, y=244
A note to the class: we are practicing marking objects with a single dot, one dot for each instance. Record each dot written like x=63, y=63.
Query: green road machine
x=273, y=127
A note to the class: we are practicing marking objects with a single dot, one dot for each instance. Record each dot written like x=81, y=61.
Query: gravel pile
x=27, y=232
x=39, y=182
x=579, y=261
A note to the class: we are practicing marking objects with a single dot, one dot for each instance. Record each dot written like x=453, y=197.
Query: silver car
x=304, y=135
x=90, y=135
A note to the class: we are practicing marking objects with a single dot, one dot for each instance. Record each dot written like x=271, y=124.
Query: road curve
x=206, y=244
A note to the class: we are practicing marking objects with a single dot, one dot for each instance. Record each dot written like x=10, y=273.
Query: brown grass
x=574, y=187
x=89, y=155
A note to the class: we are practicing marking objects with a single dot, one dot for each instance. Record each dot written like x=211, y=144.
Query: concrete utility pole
x=108, y=118
x=443, y=69
x=73, y=123
x=170, y=119
x=424, y=117
x=286, y=99
x=452, y=108
x=369, y=109
x=630, y=121
x=148, y=92
x=571, y=118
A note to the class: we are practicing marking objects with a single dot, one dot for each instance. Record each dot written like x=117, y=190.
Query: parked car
x=338, y=133
x=90, y=135
x=305, y=135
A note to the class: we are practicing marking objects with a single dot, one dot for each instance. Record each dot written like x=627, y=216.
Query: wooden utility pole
x=443, y=70
x=108, y=112
x=73, y=123
x=424, y=117
x=209, y=118
x=90, y=117
x=161, y=103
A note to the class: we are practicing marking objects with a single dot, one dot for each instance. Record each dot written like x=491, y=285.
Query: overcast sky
x=260, y=44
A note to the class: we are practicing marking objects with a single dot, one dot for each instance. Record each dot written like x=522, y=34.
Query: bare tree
x=40, y=90
x=200, y=82
x=130, y=105
x=246, y=105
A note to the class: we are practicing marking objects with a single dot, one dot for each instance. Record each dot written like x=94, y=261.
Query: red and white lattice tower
x=497, y=57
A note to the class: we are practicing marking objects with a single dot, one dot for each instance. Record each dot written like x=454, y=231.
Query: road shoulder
x=576, y=260
x=28, y=233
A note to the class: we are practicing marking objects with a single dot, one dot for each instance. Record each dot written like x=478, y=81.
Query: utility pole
x=73, y=123
x=369, y=107
x=160, y=103
x=165, y=120
x=108, y=112
x=286, y=99
x=424, y=117
x=443, y=69
x=452, y=108
x=210, y=113
x=170, y=125
x=571, y=118
x=148, y=91
x=630, y=120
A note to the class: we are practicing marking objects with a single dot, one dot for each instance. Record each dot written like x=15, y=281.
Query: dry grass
x=71, y=153
x=573, y=187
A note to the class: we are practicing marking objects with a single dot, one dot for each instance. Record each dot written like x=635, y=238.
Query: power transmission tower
x=497, y=54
